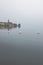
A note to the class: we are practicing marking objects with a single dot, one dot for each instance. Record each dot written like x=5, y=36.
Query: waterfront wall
x=8, y=24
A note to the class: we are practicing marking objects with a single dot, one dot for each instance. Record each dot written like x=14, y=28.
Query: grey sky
x=7, y=9
x=32, y=8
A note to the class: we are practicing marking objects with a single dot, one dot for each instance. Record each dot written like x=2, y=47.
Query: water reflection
x=19, y=25
x=23, y=49
x=9, y=27
x=20, y=32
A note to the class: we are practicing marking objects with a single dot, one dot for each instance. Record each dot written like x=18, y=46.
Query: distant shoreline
x=8, y=25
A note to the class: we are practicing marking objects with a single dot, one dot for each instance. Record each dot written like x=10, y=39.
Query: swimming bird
x=38, y=32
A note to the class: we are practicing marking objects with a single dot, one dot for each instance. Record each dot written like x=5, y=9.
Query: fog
x=21, y=9
x=22, y=45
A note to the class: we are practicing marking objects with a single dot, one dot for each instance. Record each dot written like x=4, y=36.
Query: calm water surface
x=22, y=46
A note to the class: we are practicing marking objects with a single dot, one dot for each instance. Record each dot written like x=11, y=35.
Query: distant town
x=8, y=25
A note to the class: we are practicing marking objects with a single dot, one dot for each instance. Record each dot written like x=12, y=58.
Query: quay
x=8, y=25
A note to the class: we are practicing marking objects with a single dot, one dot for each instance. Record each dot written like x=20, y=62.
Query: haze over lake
x=24, y=45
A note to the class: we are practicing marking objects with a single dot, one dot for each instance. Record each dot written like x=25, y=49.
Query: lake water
x=22, y=46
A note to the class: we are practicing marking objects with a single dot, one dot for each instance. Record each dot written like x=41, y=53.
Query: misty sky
x=13, y=8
